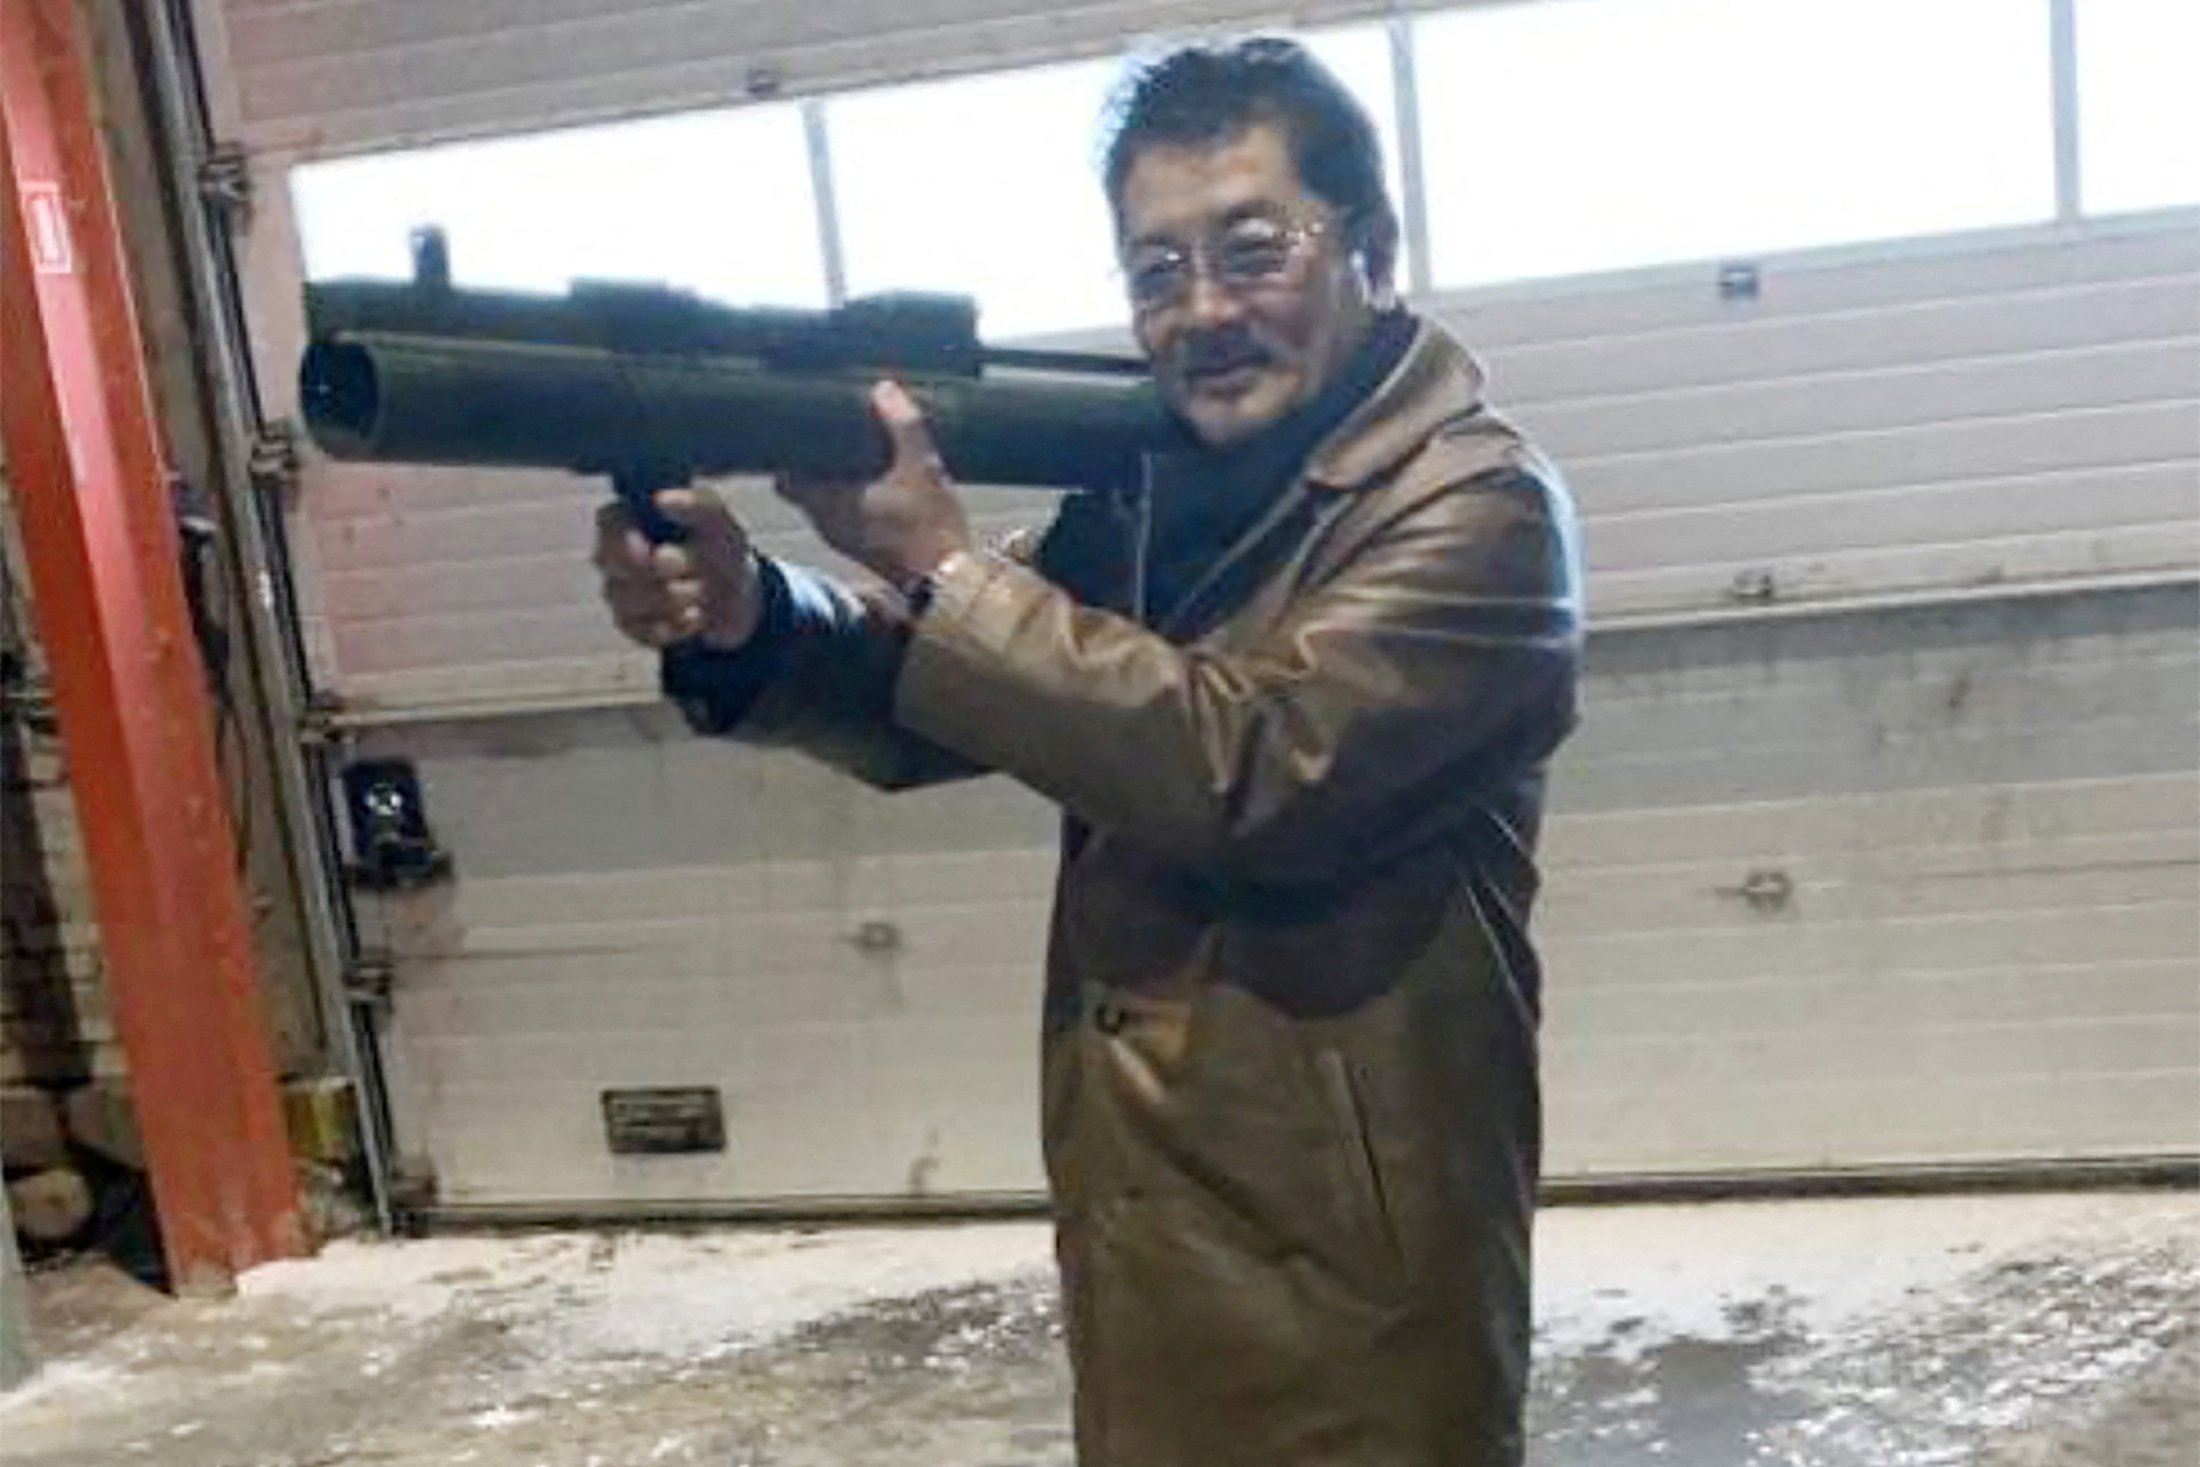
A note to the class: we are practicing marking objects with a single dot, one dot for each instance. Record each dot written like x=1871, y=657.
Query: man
x=1295, y=700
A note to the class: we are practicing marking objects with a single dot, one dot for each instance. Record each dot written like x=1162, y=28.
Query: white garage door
x=1911, y=887
x=1879, y=846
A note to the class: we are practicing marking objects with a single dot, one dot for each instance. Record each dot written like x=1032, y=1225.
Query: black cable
x=200, y=549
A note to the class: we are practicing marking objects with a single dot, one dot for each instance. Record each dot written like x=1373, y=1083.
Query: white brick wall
x=56, y=1025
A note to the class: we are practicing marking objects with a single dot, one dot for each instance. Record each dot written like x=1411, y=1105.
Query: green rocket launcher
x=653, y=387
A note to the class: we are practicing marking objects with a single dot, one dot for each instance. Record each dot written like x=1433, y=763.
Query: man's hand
x=705, y=588
x=902, y=525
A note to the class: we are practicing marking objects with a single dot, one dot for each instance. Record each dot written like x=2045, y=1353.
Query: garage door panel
x=1769, y=536
x=1978, y=564
x=1888, y=1058
x=731, y=982
x=525, y=55
x=1861, y=886
x=1910, y=643
x=2161, y=931
x=367, y=596
x=2095, y=1115
x=922, y=953
x=572, y=971
x=994, y=816
x=455, y=522
x=1971, y=268
x=1748, y=348
x=1936, y=1123
x=476, y=641
x=962, y=878
x=351, y=499
x=2161, y=990
x=1965, y=697
x=272, y=33
x=2077, y=688
x=626, y=678
x=2015, y=755
x=419, y=527
x=626, y=1001
x=522, y=902
x=779, y=970
x=1891, y=536
x=929, y=943
x=1925, y=760
x=625, y=792
x=1582, y=845
x=975, y=990
x=800, y=946
x=1615, y=895
x=1721, y=486
x=940, y=1122
x=915, y=1109
x=362, y=598
x=349, y=496
x=2161, y=870
x=1988, y=387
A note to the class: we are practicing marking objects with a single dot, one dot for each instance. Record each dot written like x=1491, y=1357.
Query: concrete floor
x=1997, y=1331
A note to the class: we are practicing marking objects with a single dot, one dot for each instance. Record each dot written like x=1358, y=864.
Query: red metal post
x=84, y=456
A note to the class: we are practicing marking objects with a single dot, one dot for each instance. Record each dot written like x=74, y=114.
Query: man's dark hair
x=1207, y=94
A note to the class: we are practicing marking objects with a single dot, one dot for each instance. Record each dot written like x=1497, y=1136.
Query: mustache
x=1220, y=352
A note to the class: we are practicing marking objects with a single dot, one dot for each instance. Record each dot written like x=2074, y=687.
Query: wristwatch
x=919, y=592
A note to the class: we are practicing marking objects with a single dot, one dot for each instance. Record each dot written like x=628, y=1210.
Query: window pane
x=1360, y=56
x=2138, y=104
x=715, y=202
x=990, y=186
x=1576, y=135
x=982, y=186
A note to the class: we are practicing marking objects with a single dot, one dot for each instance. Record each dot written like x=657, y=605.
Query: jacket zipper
x=1139, y=525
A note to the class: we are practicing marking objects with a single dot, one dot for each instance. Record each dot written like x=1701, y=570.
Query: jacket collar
x=1436, y=382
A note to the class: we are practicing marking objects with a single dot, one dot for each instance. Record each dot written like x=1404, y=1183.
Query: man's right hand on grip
x=704, y=588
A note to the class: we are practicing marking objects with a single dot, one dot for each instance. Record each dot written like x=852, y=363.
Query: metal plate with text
x=664, y=1120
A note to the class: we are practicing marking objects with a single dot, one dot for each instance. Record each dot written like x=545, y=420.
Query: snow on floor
x=667, y=1296
x=1983, y=1330
x=1684, y=1270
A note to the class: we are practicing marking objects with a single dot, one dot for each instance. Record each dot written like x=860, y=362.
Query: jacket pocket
x=1381, y=1258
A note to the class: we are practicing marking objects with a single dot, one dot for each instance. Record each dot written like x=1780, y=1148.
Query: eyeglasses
x=1250, y=255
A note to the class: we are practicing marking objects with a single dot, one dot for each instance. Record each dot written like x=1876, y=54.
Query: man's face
x=1243, y=294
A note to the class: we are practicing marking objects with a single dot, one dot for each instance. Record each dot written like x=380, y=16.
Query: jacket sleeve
x=1439, y=655
x=818, y=677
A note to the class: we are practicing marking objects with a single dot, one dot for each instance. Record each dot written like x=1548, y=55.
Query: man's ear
x=1377, y=258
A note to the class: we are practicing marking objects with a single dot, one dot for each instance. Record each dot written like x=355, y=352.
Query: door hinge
x=225, y=180
x=320, y=722
x=370, y=977
x=273, y=464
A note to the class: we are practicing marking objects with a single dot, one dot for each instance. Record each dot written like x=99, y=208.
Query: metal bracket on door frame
x=1765, y=890
x=273, y=464
x=225, y=181
x=370, y=978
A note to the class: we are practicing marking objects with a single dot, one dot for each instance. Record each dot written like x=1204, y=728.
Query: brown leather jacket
x=1291, y=1115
